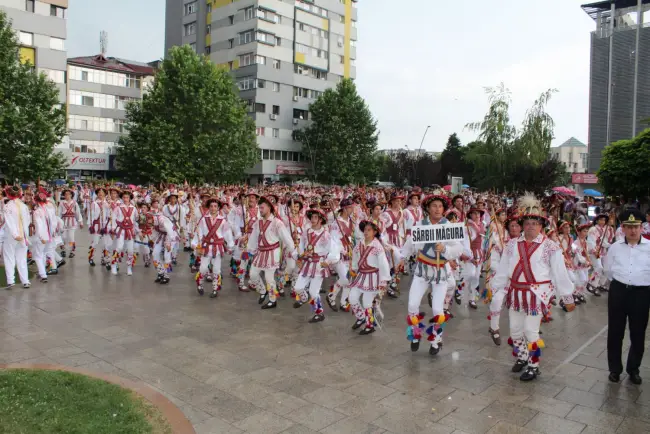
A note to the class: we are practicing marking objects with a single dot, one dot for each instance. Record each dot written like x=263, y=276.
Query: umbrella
x=447, y=188
x=60, y=182
x=131, y=186
x=564, y=190
x=465, y=186
x=592, y=192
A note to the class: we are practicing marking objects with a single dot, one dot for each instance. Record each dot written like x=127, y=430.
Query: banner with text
x=440, y=233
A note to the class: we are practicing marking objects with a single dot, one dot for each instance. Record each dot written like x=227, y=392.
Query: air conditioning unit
x=295, y=98
x=295, y=121
x=273, y=117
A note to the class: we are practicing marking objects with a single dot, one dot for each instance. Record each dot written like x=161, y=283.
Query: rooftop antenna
x=103, y=42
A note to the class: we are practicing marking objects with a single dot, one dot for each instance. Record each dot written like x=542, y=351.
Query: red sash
x=212, y=240
x=126, y=225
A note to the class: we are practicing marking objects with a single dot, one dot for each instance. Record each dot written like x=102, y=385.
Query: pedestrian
x=628, y=268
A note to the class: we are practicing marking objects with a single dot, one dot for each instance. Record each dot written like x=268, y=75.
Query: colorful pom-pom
x=510, y=342
x=540, y=343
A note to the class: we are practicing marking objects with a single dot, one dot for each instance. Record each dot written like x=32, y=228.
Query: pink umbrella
x=564, y=190
x=447, y=188
x=131, y=186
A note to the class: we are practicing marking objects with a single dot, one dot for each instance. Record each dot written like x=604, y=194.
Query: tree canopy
x=624, y=168
x=32, y=120
x=191, y=125
x=341, y=141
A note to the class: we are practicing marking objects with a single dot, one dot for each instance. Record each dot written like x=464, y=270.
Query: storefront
x=583, y=181
x=84, y=166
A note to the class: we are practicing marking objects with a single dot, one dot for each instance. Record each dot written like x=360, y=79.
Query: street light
x=422, y=142
x=417, y=157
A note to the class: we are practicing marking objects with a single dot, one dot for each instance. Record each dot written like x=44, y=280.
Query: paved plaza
x=233, y=368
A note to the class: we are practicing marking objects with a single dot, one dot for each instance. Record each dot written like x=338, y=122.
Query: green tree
x=32, y=120
x=341, y=141
x=624, y=169
x=454, y=163
x=191, y=126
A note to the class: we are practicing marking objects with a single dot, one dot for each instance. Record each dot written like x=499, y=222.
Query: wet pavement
x=233, y=368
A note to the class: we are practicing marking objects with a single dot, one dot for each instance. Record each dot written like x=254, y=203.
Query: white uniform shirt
x=629, y=264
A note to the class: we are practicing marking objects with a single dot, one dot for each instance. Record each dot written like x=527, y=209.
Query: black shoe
x=296, y=305
x=457, y=297
x=391, y=293
x=282, y=294
x=270, y=305
x=582, y=299
x=367, y=331
x=603, y=288
x=261, y=299
x=322, y=291
x=108, y=267
x=434, y=350
x=614, y=377
x=593, y=291
x=27, y=285
x=158, y=278
x=317, y=318
x=519, y=365
x=529, y=374
x=72, y=255
x=61, y=263
x=496, y=337
x=30, y=262
x=63, y=253
x=43, y=279
x=146, y=265
x=448, y=312
x=164, y=281
x=577, y=301
x=200, y=289
x=331, y=304
x=635, y=378
x=8, y=287
x=52, y=272
x=415, y=345
x=358, y=323
x=214, y=294
x=472, y=304
x=430, y=299
x=174, y=262
x=91, y=263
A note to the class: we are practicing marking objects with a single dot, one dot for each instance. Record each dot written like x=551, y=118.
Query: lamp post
x=417, y=156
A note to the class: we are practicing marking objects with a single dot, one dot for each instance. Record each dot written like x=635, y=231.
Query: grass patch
x=51, y=402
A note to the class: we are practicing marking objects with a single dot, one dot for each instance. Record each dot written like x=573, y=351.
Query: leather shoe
x=635, y=378
x=614, y=377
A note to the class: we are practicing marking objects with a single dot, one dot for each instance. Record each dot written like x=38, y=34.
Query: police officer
x=628, y=268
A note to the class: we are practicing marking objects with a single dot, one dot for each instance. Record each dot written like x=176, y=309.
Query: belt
x=432, y=262
x=527, y=285
x=618, y=282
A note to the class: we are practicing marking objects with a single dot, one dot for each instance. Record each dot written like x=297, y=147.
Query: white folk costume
x=124, y=227
x=566, y=244
x=412, y=216
x=145, y=237
x=315, y=253
x=42, y=237
x=430, y=271
x=244, y=219
x=99, y=213
x=266, y=242
x=175, y=213
x=599, y=239
x=393, y=241
x=370, y=272
x=213, y=238
x=471, y=272
x=529, y=272
x=297, y=225
x=498, y=240
x=16, y=237
x=53, y=258
x=164, y=236
x=345, y=236
x=70, y=213
x=581, y=266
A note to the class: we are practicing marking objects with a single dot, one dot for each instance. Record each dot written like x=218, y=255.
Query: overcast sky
x=419, y=62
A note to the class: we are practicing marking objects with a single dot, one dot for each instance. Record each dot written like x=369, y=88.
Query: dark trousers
x=626, y=304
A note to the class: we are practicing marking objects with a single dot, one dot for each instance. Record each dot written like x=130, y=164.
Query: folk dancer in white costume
x=266, y=241
x=145, y=237
x=345, y=234
x=124, y=228
x=212, y=239
x=16, y=237
x=581, y=262
x=113, y=202
x=70, y=213
x=43, y=233
x=315, y=254
x=297, y=224
x=99, y=213
x=174, y=212
x=164, y=236
x=430, y=272
x=412, y=216
x=497, y=243
x=394, y=238
x=531, y=268
x=244, y=219
x=600, y=237
x=473, y=263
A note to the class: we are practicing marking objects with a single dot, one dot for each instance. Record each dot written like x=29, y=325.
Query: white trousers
x=343, y=283
x=419, y=287
x=162, y=259
x=269, y=277
x=313, y=285
x=471, y=278
x=15, y=256
x=524, y=330
x=38, y=255
x=496, y=305
x=68, y=238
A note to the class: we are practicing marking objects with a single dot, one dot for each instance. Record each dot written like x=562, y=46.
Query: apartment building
x=99, y=89
x=283, y=54
x=41, y=29
x=574, y=154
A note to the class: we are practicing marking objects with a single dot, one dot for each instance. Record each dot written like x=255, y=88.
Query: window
x=260, y=108
x=249, y=105
x=300, y=114
x=265, y=154
x=26, y=38
x=230, y=66
x=231, y=43
x=265, y=37
x=208, y=49
x=55, y=76
x=57, y=44
x=84, y=75
x=341, y=19
x=278, y=41
x=583, y=159
x=246, y=59
x=295, y=156
x=300, y=48
x=88, y=101
x=260, y=60
x=285, y=156
x=190, y=8
x=190, y=29
x=246, y=83
x=246, y=37
x=134, y=81
x=261, y=84
x=259, y=131
x=193, y=46
x=276, y=110
x=342, y=59
x=249, y=13
x=278, y=155
x=276, y=133
x=208, y=29
x=276, y=64
x=29, y=5
x=57, y=11
x=276, y=87
x=268, y=15
x=231, y=20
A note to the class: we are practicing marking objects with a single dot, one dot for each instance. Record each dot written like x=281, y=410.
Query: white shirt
x=629, y=264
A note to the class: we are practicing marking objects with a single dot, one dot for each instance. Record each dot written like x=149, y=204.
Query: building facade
x=41, y=27
x=99, y=89
x=619, y=97
x=283, y=55
x=574, y=154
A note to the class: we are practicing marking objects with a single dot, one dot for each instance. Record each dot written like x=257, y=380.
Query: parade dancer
x=565, y=241
x=174, y=212
x=98, y=218
x=124, y=227
x=370, y=273
x=16, y=237
x=213, y=237
x=581, y=262
x=244, y=219
x=472, y=265
x=498, y=240
x=394, y=223
x=164, y=236
x=532, y=267
x=265, y=242
x=42, y=234
x=599, y=239
x=412, y=216
x=297, y=225
x=344, y=236
x=109, y=242
x=315, y=252
x=71, y=215
x=145, y=223
x=430, y=271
